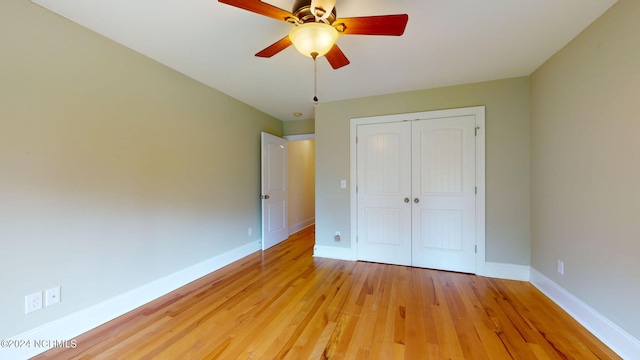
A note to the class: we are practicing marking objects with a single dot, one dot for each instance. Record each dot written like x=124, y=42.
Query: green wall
x=115, y=170
x=299, y=127
x=585, y=132
x=507, y=158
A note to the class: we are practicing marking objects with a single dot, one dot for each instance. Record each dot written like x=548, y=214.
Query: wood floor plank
x=319, y=328
x=284, y=304
x=448, y=340
x=415, y=329
x=388, y=327
x=363, y=334
x=483, y=324
x=379, y=350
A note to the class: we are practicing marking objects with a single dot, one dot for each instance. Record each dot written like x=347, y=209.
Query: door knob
x=416, y=200
x=406, y=200
x=265, y=197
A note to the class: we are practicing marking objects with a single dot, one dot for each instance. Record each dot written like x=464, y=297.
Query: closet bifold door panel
x=443, y=188
x=416, y=186
x=384, y=191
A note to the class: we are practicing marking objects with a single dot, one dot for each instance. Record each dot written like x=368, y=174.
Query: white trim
x=70, y=326
x=302, y=225
x=609, y=333
x=353, y=182
x=333, y=252
x=506, y=271
x=479, y=113
x=300, y=137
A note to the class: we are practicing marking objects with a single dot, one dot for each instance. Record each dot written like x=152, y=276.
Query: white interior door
x=274, y=192
x=443, y=185
x=383, y=192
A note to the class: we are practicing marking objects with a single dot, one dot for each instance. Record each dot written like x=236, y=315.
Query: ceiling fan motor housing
x=302, y=10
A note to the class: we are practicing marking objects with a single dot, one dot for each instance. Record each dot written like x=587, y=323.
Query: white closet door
x=443, y=200
x=383, y=192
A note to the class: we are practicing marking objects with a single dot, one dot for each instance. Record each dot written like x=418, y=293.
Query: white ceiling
x=446, y=42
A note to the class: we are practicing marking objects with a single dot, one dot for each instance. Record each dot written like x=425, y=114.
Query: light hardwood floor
x=284, y=303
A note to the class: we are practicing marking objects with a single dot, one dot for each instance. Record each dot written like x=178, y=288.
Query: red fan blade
x=392, y=25
x=275, y=47
x=261, y=8
x=336, y=57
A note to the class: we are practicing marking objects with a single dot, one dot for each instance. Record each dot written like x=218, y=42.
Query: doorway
x=302, y=175
x=287, y=186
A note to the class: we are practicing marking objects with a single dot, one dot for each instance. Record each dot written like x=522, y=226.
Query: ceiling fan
x=317, y=27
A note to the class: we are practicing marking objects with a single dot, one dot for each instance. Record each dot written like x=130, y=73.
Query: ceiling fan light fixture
x=313, y=37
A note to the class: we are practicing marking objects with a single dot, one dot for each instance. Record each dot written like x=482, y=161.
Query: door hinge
x=356, y=139
x=477, y=130
x=476, y=190
x=476, y=249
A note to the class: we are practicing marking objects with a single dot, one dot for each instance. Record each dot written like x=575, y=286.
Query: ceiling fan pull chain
x=315, y=78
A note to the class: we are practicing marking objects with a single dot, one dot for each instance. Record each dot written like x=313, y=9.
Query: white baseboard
x=69, y=327
x=609, y=333
x=506, y=271
x=333, y=252
x=303, y=225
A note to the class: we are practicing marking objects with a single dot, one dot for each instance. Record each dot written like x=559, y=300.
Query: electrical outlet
x=52, y=296
x=337, y=237
x=560, y=267
x=33, y=302
x=250, y=231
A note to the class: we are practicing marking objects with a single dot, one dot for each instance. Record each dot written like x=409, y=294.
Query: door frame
x=479, y=113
